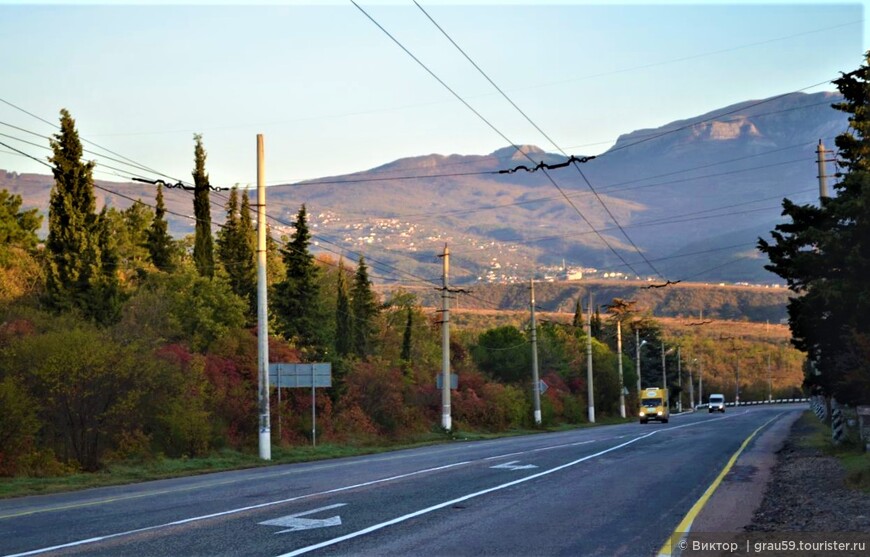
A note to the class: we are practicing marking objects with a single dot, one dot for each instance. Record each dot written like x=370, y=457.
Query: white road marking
x=295, y=523
x=514, y=465
x=451, y=502
x=551, y=447
x=373, y=482
x=232, y=511
x=403, y=518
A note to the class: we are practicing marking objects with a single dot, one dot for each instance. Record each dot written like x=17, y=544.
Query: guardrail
x=761, y=402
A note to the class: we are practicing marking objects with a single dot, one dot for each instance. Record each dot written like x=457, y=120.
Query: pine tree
x=824, y=254
x=343, y=317
x=365, y=310
x=297, y=301
x=159, y=241
x=72, y=258
x=236, y=251
x=203, y=248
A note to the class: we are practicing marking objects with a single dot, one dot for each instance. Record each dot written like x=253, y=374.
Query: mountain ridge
x=673, y=189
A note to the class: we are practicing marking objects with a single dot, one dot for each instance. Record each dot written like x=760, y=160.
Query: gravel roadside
x=807, y=493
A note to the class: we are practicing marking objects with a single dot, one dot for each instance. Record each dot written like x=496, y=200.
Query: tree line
x=119, y=342
x=823, y=252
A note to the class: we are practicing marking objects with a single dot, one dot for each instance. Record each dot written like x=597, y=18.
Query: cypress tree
x=343, y=317
x=595, y=324
x=72, y=258
x=235, y=251
x=159, y=241
x=365, y=310
x=578, y=315
x=297, y=301
x=104, y=297
x=203, y=248
x=406, y=342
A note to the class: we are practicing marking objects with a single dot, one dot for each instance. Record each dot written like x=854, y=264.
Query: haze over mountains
x=693, y=195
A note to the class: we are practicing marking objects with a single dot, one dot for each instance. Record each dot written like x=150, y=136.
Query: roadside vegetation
x=127, y=354
x=851, y=454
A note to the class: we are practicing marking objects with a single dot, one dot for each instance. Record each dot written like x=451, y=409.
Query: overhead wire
x=502, y=135
x=543, y=133
x=178, y=184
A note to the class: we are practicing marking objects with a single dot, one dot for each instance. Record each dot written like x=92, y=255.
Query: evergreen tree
x=236, y=252
x=297, y=302
x=578, y=315
x=275, y=268
x=406, y=342
x=72, y=258
x=824, y=254
x=365, y=310
x=203, y=248
x=17, y=228
x=159, y=241
x=343, y=317
x=104, y=297
x=595, y=324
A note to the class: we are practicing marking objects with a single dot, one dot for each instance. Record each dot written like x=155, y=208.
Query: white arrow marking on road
x=294, y=523
x=513, y=465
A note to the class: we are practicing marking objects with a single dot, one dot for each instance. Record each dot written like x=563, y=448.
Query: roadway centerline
x=466, y=497
x=363, y=484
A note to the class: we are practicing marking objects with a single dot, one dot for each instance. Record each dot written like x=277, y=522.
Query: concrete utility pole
x=700, y=381
x=536, y=389
x=737, y=385
x=446, y=421
x=265, y=440
x=769, y=380
x=637, y=358
x=590, y=391
x=692, y=386
x=619, y=358
x=823, y=179
x=664, y=370
x=680, y=379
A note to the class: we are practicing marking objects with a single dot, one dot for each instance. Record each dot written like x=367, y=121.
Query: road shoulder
x=732, y=506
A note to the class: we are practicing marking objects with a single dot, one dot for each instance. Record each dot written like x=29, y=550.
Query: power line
x=502, y=135
x=550, y=139
x=55, y=126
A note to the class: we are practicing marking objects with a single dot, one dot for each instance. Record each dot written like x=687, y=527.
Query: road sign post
x=295, y=375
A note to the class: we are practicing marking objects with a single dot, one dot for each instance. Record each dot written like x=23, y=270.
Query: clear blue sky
x=332, y=94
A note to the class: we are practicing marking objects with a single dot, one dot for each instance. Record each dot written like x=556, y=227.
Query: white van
x=717, y=402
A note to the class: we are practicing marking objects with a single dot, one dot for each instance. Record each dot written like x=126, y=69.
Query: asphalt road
x=612, y=490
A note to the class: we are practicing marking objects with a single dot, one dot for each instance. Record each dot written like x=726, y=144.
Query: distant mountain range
x=693, y=196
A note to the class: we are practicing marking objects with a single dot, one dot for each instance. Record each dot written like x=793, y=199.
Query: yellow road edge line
x=686, y=523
